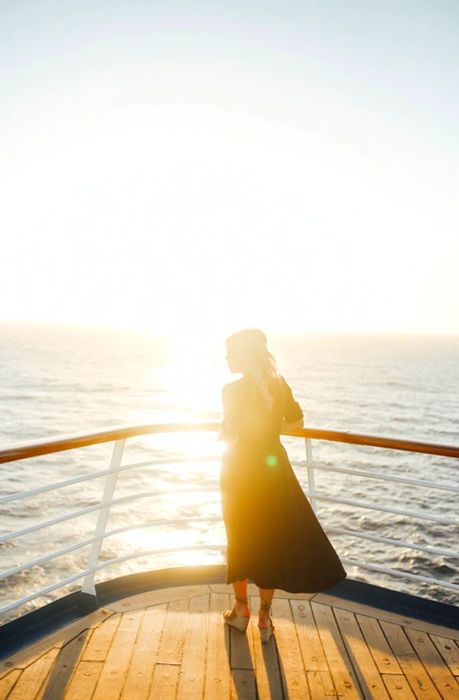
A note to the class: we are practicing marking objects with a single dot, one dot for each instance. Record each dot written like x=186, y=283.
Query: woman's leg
x=240, y=591
x=266, y=596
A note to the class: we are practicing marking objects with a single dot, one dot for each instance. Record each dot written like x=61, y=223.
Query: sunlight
x=208, y=266
x=151, y=538
x=201, y=193
x=196, y=370
x=177, y=539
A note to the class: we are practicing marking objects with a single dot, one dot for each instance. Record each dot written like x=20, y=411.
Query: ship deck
x=172, y=643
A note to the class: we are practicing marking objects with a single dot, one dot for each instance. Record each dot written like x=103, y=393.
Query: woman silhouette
x=273, y=535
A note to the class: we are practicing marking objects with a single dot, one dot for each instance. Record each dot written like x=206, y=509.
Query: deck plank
x=449, y=650
x=217, y=682
x=144, y=654
x=192, y=676
x=8, y=681
x=84, y=680
x=32, y=678
x=311, y=647
x=378, y=645
x=165, y=681
x=421, y=684
x=114, y=672
x=318, y=673
x=267, y=672
x=321, y=685
x=101, y=639
x=344, y=677
x=371, y=683
x=173, y=637
x=383, y=614
x=438, y=670
x=398, y=687
x=293, y=674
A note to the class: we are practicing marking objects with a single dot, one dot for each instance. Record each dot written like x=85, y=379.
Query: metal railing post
x=102, y=518
x=310, y=467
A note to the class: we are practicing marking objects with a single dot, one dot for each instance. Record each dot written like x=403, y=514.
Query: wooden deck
x=172, y=643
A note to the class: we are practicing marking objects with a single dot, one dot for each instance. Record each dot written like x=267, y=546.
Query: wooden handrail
x=431, y=448
x=71, y=442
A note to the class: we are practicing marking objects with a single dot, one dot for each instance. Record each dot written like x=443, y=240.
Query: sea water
x=58, y=380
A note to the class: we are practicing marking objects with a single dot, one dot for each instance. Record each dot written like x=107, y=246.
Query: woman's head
x=247, y=352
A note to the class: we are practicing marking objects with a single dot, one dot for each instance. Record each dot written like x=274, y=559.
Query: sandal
x=266, y=632
x=239, y=622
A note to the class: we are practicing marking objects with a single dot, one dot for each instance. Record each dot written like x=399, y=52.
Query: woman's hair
x=259, y=363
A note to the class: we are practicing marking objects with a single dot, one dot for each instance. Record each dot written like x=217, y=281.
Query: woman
x=273, y=535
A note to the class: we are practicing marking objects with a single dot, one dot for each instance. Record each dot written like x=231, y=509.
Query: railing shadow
x=63, y=667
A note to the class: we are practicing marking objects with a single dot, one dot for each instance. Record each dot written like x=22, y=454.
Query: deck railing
x=118, y=436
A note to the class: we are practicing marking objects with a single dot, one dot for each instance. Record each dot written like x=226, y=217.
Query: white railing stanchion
x=109, y=489
x=310, y=468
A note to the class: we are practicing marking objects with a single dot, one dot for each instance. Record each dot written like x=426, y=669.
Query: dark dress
x=273, y=535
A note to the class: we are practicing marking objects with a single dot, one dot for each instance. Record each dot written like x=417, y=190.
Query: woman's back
x=247, y=415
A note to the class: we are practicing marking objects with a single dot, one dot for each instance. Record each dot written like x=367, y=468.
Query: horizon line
x=162, y=333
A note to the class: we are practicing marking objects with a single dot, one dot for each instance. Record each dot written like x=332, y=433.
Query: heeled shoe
x=266, y=632
x=239, y=622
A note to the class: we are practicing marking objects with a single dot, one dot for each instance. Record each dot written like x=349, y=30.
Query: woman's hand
x=292, y=426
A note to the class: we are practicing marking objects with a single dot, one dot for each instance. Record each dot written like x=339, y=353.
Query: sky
x=188, y=166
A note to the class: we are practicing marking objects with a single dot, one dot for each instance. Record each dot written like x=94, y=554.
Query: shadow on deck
x=172, y=643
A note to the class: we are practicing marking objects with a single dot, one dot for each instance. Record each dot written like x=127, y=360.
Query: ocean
x=59, y=380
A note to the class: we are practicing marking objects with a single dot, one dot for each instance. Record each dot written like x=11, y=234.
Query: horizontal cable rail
x=442, y=551
x=385, y=477
x=118, y=436
x=89, y=540
x=385, y=509
x=97, y=506
x=20, y=495
x=380, y=568
x=53, y=521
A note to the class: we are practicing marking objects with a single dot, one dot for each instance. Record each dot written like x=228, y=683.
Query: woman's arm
x=293, y=414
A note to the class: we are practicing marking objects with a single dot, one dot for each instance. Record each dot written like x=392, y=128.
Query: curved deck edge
x=38, y=623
